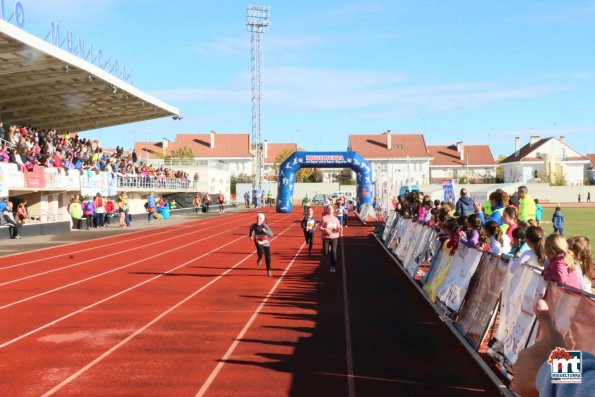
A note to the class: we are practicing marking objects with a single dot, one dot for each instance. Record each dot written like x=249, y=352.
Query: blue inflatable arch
x=289, y=168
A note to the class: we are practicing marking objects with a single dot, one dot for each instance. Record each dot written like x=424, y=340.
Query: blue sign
x=87, y=52
x=16, y=15
x=289, y=168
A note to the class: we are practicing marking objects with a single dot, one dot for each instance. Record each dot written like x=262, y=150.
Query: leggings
x=309, y=236
x=325, y=246
x=260, y=249
x=89, y=220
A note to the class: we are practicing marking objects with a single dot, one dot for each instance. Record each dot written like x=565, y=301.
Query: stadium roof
x=49, y=88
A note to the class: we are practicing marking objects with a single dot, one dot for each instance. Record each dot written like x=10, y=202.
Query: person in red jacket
x=109, y=210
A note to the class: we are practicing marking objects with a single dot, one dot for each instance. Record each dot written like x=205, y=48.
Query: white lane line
x=348, y=345
x=170, y=228
x=110, y=271
x=156, y=319
x=45, y=258
x=177, y=236
x=47, y=325
x=240, y=336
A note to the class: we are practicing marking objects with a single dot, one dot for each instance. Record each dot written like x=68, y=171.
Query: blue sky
x=477, y=71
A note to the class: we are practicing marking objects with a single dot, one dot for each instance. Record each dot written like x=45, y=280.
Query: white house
x=543, y=160
x=400, y=159
x=475, y=163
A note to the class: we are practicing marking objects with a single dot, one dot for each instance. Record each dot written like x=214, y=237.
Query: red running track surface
x=185, y=311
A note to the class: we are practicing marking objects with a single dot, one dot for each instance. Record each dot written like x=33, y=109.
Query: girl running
x=261, y=233
x=331, y=230
x=309, y=225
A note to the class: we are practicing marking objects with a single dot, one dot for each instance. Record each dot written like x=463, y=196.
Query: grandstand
x=47, y=94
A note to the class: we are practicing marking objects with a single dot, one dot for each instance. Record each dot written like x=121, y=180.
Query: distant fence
x=472, y=288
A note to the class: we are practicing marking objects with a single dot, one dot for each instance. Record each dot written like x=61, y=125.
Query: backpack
x=89, y=206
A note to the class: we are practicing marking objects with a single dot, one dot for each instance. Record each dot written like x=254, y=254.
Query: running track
x=184, y=311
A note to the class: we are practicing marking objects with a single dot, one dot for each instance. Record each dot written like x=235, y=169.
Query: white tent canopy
x=49, y=88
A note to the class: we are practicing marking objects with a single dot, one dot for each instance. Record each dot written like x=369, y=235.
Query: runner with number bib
x=331, y=230
x=261, y=233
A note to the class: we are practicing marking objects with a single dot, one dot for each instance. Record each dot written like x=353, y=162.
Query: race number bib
x=310, y=225
x=262, y=239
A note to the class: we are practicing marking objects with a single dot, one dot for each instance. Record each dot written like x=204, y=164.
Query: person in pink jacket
x=330, y=228
x=562, y=263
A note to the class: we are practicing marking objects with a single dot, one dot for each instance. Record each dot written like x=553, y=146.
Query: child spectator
x=497, y=206
x=495, y=235
x=558, y=221
x=538, y=212
x=561, y=268
x=88, y=211
x=478, y=212
x=509, y=221
x=474, y=237
x=580, y=246
x=535, y=255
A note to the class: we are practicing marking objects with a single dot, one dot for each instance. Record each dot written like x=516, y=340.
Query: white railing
x=141, y=182
x=187, y=162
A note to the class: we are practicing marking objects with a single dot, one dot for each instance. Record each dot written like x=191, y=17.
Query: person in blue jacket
x=163, y=209
x=465, y=204
x=558, y=221
x=497, y=203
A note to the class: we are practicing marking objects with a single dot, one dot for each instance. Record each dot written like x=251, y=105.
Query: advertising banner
x=53, y=178
x=454, y=287
x=448, y=188
x=439, y=272
x=421, y=246
x=573, y=313
x=4, y=180
x=35, y=178
x=93, y=183
x=522, y=288
x=16, y=179
x=475, y=314
x=112, y=184
x=72, y=180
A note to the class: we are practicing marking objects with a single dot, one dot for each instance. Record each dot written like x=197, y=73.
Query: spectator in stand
x=580, y=246
x=562, y=266
x=465, y=204
x=13, y=225
x=558, y=221
x=526, y=205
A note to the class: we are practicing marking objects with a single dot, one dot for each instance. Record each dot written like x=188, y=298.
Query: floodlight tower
x=257, y=22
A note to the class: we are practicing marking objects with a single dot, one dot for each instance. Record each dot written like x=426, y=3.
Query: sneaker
x=333, y=269
x=269, y=273
x=19, y=236
x=309, y=252
x=259, y=262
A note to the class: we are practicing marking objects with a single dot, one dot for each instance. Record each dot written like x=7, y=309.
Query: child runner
x=309, y=225
x=261, y=233
x=580, y=246
x=345, y=213
x=331, y=230
x=558, y=221
x=562, y=267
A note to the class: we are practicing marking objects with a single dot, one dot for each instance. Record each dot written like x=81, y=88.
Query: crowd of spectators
x=29, y=147
x=507, y=226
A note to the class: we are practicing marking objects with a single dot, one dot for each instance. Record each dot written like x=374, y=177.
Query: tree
x=303, y=174
x=235, y=179
x=500, y=177
x=182, y=153
x=317, y=176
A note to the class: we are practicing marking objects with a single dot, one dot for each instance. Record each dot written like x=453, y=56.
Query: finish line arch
x=289, y=168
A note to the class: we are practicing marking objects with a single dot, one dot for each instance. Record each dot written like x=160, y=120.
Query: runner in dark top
x=308, y=225
x=261, y=233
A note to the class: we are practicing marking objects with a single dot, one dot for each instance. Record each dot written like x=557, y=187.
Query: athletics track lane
x=295, y=346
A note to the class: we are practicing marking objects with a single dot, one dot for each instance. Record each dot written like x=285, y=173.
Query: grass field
x=578, y=221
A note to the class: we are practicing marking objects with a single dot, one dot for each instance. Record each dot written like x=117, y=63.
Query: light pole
x=257, y=22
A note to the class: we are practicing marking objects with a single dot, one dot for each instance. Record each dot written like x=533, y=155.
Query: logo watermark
x=566, y=366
